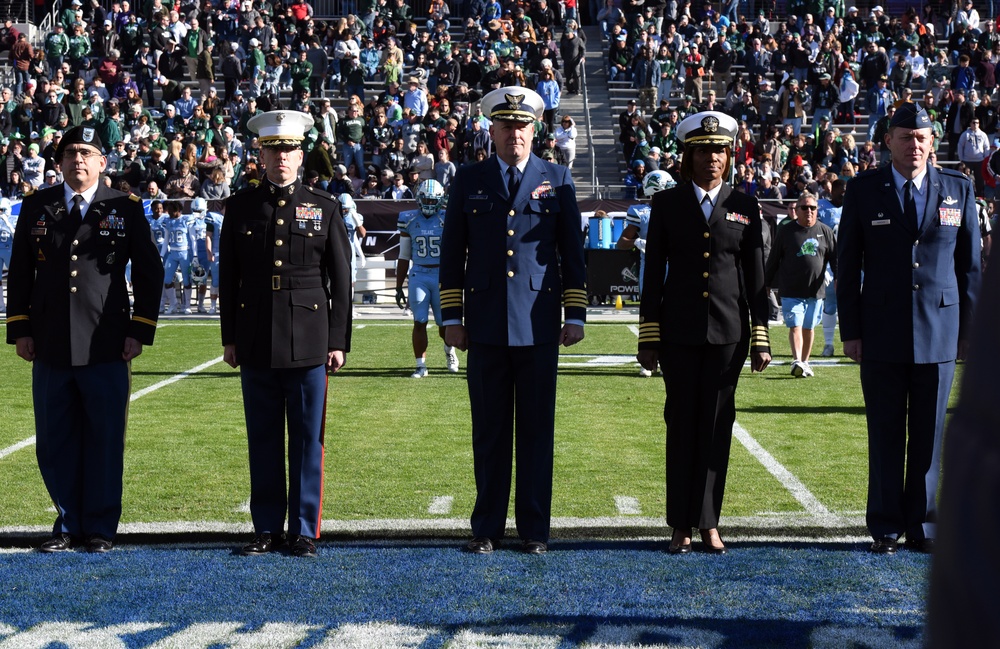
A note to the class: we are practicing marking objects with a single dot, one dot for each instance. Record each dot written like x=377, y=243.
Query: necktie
x=909, y=205
x=76, y=212
x=706, y=206
x=513, y=180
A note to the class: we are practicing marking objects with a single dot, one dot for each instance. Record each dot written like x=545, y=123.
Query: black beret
x=80, y=135
x=910, y=115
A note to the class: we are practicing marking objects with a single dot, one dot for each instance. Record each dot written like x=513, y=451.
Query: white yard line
x=440, y=505
x=787, y=479
x=627, y=505
x=24, y=443
x=17, y=447
x=244, y=507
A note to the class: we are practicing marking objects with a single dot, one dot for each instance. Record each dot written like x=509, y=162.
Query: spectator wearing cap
x=256, y=65
x=106, y=40
x=973, y=148
x=232, y=69
x=415, y=98
x=619, y=60
x=877, y=102
x=79, y=47
x=694, y=70
x=791, y=105
x=824, y=98
x=56, y=47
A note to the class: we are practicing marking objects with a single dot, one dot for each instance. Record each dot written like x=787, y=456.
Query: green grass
x=393, y=443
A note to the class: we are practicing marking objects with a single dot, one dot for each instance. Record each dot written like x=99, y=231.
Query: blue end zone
x=430, y=594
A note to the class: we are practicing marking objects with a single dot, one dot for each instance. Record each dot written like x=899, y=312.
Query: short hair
x=806, y=195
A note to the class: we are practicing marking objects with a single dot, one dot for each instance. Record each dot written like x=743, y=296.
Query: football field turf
x=398, y=467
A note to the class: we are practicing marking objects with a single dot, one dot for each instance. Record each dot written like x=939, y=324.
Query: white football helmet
x=430, y=197
x=347, y=203
x=199, y=206
x=656, y=181
x=5, y=206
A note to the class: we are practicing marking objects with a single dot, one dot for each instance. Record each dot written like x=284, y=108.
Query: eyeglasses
x=808, y=208
x=71, y=154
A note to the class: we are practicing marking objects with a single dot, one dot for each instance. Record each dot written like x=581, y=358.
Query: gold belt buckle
x=275, y=282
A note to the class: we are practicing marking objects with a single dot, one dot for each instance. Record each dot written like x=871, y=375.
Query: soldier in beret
x=69, y=315
x=701, y=324
x=285, y=298
x=914, y=231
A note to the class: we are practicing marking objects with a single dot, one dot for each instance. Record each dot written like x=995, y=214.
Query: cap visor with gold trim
x=707, y=127
x=281, y=127
x=514, y=104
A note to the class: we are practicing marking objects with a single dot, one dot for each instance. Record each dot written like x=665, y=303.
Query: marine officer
x=511, y=264
x=914, y=231
x=69, y=314
x=285, y=301
x=697, y=323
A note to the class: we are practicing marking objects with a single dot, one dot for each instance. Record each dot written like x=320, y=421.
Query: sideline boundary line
x=24, y=443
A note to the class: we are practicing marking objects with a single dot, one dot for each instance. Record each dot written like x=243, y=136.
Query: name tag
x=950, y=216
x=881, y=222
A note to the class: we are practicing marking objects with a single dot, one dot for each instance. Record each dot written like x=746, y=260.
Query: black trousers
x=905, y=404
x=700, y=412
x=509, y=385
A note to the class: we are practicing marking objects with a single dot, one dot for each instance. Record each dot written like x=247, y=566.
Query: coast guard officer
x=69, y=314
x=697, y=320
x=512, y=248
x=914, y=231
x=285, y=300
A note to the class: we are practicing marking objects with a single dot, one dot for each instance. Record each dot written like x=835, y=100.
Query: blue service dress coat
x=511, y=266
x=909, y=308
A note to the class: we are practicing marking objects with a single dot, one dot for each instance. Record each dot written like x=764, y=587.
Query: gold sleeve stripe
x=448, y=304
x=451, y=291
x=146, y=321
x=574, y=291
x=652, y=338
x=649, y=326
x=16, y=318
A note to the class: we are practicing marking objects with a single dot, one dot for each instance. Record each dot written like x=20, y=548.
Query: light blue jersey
x=829, y=215
x=214, y=220
x=159, y=235
x=638, y=215
x=180, y=243
x=7, y=224
x=425, y=253
x=425, y=235
x=199, y=235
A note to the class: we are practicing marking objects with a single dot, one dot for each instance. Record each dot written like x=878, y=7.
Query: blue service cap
x=910, y=115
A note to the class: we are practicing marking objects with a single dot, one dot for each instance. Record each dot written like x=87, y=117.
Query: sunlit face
x=282, y=163
x=512, y=140
x=806, y=211
x=709, y=163
x=910, y=149
x=82, y=165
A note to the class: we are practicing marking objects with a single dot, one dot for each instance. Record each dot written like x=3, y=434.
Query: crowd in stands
x=144, y=77
x=813, y=89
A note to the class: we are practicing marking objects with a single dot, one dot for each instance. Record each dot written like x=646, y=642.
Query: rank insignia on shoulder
x=29, y=192
x=134, y=198
x=737, y=218
x=950, y=216
x=545, y=190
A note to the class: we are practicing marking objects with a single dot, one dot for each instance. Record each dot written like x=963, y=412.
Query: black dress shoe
x=920, y=545
x=884, y=545
x=707, y=547
x=99, y=545
x=534, y=547
x=303, y=546
x=58, y=543
x=261, y=544
x=481, y=545
x=683, y=548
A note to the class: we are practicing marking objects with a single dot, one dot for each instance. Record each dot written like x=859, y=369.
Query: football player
x=355, y=224
x=199, y=263
x=213, y=229
x=637, y=224
x=420, y=241
x=7, y=223
x=159, y=234
x=180, y=243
